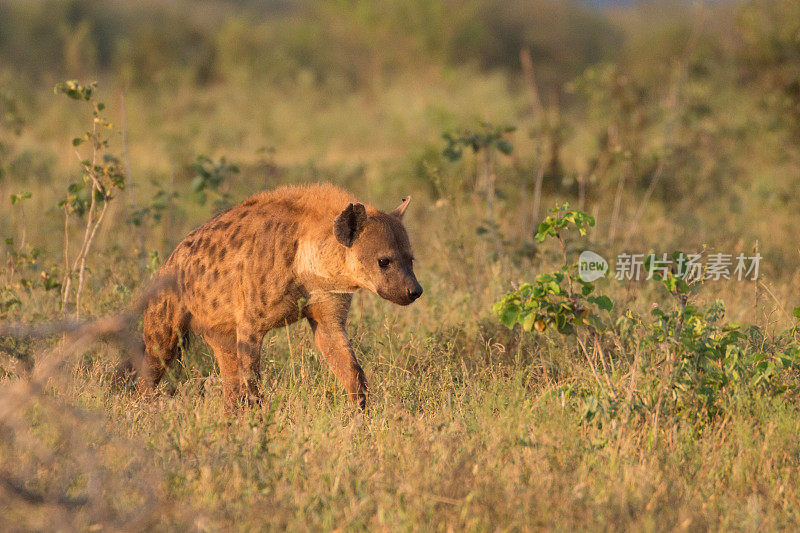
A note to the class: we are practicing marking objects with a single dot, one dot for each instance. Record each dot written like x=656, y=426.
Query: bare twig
x=530, y=80
x=67, y=283
x=537, y=187
x=626, y=169
x=124, y=126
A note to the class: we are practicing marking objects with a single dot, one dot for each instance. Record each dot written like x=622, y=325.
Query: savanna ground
x=674, y=126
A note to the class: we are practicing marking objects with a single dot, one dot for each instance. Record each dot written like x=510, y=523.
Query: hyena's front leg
x=224, y=346
x=332, y=342
x=248, y=352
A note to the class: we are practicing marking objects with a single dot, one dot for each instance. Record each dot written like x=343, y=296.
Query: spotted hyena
x=279, y=256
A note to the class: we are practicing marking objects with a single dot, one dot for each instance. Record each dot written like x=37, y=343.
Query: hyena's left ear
x=400, y=210
x=349, y=223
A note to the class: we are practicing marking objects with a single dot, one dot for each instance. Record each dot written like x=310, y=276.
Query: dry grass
x=464, y=431
x=469, y=425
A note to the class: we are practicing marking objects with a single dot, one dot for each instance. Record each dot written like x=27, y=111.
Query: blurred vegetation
x=670, y=125
x=341, y=44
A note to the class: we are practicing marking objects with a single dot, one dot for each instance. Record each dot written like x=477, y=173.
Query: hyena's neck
x=319, y=266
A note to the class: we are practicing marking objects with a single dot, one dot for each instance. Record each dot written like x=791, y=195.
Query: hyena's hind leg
x=166, y=322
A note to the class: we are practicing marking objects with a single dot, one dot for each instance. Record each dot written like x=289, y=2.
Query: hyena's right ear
x=349, y=224
x=400, y=210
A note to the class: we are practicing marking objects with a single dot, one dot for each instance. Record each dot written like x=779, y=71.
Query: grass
x=466, y=429
x=470, y=425
x=444, y=445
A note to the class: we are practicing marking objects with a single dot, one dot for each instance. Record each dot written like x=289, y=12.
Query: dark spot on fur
x=215, y=274
x=290, y=253
x=222, y=252
x=212, y=248
x=244, y=348
x=288, y=205
x=235, y=240
x=290, y=289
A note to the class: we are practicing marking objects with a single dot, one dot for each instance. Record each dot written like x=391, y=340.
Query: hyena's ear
x=349, y=223
x=400, y=210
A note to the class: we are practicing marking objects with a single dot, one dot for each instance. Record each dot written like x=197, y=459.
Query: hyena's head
x=379, y=254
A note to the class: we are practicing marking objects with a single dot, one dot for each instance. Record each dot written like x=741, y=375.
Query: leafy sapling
x=90, y=197
x=485, y=142
x=18, y=199
x=561, y=300
x=212, y=177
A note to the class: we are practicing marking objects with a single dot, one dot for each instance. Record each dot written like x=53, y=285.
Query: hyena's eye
x=383, y=262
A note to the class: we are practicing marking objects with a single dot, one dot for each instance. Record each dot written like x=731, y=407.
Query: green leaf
x=603, y=302
x=452, y=153
x=796, y=312
x=15, y=198
x=508, y=315
x=197, y=184
x=527, y=322
x=566, y=329
x=505, y=147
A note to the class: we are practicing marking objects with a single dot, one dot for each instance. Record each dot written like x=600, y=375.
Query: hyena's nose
x=415, y=293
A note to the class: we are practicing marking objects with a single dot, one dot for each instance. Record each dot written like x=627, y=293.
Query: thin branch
x=530, y=80
x=81, y=276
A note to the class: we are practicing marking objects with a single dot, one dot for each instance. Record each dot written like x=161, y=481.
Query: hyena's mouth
x=397, y=297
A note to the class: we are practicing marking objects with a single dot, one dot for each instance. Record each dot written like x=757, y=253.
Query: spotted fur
x=280, y=256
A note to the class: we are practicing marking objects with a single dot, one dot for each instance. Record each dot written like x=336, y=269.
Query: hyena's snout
x=414, y=290
x=403, y=291
x=410, y=290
